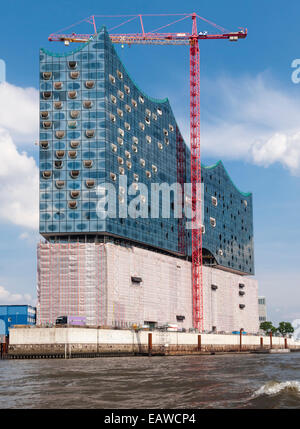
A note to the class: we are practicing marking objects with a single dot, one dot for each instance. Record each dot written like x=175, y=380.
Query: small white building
x=262, y=309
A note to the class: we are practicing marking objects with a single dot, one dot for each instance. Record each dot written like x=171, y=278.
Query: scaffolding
x=72, y=282
x=114, y=286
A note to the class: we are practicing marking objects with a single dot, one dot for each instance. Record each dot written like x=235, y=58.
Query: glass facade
x=96, y=127
x=230, y=238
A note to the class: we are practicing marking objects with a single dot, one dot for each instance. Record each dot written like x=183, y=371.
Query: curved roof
x=93, y=39
x=155, y=100
x=220, y=163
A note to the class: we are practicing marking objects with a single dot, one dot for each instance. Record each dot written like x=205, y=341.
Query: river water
x=210, y=381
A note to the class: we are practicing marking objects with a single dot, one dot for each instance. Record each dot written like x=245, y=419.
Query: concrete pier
x=93, y=342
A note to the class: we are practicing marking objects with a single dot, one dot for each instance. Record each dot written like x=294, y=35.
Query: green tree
x=268, y=327
x=285, y=328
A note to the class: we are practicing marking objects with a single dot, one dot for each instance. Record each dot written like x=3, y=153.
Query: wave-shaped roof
x=104, y=31
x=220, y=164
x=93, y=39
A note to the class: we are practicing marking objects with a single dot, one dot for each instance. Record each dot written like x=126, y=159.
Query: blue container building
x=11, y=315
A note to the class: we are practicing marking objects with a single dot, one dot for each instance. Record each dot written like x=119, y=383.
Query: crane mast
x=197, y=278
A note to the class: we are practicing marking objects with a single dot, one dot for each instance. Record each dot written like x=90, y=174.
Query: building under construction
x=115, y=206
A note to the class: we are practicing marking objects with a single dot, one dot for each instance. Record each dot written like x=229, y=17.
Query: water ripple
x=225, y=381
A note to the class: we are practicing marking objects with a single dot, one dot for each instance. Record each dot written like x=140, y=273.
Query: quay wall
x=28, y=341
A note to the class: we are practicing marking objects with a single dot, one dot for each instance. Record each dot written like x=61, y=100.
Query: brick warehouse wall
x=95, y=280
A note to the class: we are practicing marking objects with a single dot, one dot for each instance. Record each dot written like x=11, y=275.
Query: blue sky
x=249, y=111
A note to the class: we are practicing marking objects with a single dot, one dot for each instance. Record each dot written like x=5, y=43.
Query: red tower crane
x=192, y=40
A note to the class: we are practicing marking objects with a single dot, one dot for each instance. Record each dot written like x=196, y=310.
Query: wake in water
x=274, y=388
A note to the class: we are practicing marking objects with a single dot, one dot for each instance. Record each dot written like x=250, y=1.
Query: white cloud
x=19, y=121
x=19, y=112
x=24, y=236
x=279, y=148
x=18, y=184
x=7, y=297
x=250, y=118
x=31, y=237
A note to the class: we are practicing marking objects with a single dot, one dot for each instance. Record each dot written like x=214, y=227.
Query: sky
x=250, y=110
